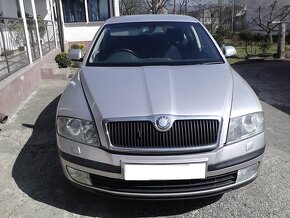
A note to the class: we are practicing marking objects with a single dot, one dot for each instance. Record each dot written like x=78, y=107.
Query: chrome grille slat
x=183, y=134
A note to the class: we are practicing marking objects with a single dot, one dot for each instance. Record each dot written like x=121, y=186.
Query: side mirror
x=229, y=51
x=75, y=55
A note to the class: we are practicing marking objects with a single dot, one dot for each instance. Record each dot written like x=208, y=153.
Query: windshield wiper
x=212, y=62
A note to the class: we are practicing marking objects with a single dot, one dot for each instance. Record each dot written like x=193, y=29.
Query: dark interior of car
x=173, y=44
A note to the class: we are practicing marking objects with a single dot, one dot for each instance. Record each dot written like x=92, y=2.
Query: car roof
x=151, y=18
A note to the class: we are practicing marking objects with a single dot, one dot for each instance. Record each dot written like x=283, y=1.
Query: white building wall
x=80, y=32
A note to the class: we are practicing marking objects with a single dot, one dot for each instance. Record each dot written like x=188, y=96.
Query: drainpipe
x=86, y=12
x=60, y=24
x=3, y=118
x=116, y=9
x=53, y=22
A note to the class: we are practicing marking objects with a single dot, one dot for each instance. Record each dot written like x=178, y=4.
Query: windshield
x=153, y=43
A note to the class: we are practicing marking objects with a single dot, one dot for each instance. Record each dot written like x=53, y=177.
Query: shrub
x=246, y=35
x=16, y=26
x=236, y=41
x=259, y=37
x=78, y=46
x=288, y=37
x=221, y=30
x=7, y=53
x=74, y=46
x=219, y=39
x=62, y=60
x=221, y=34
x=265, y=46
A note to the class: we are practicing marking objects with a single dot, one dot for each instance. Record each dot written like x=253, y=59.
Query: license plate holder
x=180, y=171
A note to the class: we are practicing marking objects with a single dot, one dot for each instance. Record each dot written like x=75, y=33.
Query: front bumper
x=106, y=173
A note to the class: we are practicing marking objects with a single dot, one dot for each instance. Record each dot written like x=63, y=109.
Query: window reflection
x=98, y=10
x=74, y=10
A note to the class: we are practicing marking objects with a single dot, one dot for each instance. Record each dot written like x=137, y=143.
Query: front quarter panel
x=73, y=102
x=245, y=100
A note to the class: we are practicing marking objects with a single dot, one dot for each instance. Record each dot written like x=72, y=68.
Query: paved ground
x=32, y=184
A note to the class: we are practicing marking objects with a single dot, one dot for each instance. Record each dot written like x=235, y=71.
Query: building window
x=98, y=10
x=73, y=10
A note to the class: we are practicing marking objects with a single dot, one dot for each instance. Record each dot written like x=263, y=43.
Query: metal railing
x=13, y=49
x=33, y=38
x=13, y=54
x=46, y=32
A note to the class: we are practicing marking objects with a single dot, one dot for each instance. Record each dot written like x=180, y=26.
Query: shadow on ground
x=38, y=173
x=270, y=80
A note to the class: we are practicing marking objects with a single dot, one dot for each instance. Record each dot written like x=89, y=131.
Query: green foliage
x=7, y=53
x=74, y=46
x=253, y=40
x=221, y=34
x=62, y=60
x=40, y=21
x=236, y=41
x=221, y=30
x=75, y=64
x=219, y=39
x=259, y=37
x=246, y=35
x=78, y=46
x=265, y=46
x=16, y=26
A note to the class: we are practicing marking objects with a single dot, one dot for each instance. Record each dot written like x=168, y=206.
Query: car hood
x=115, y=92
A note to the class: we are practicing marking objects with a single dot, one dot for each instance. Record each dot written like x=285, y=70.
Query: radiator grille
x=182, y=134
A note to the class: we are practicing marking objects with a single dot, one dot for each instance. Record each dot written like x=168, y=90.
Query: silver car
x=156, y=112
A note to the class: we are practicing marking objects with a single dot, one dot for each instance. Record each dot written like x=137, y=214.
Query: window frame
x=64, y=10
x=99, y=10
x=86, y=13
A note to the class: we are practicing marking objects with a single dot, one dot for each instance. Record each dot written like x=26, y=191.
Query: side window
x=196, y=38
x=97, y=47
x=208, y=51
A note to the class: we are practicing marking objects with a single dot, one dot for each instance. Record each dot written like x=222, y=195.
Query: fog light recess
x=247, y=173
x=79, y=176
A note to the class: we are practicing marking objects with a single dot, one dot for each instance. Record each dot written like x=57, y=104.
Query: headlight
x=78, y=130
x=245, y=126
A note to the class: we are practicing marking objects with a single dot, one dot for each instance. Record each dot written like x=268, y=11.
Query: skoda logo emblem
x=163, y=123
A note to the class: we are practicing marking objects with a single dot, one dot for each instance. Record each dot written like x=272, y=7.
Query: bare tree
x=174, y=6
x=181, y=6
x=130, y=7
x=214, y=17
x=267, y=15
x=156, y=6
